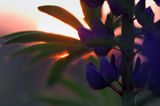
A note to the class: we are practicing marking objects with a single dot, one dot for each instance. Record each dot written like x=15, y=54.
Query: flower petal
x=145, y=17
x=107, y=70
x=157, y=2
x=95, y=80
x=93, y=3
x=140, y=6
x=138, y=64
x=85, y=35
x=141, y=78
x=101, y=51
x=99, y=29
x=116, y=7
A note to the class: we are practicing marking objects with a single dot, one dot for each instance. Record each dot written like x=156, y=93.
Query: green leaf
x=50, y=48
x=108, y=98
x=37, y=36
x=77, y=89
x=59, y=101
x=39, y=57
x=58, y=68
x=61, y=14
x=90, y=13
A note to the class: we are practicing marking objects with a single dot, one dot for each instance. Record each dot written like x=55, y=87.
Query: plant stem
x=128, y=98
x=127, y=49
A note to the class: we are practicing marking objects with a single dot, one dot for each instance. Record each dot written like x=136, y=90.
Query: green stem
x=128, y=99
x=127, y=49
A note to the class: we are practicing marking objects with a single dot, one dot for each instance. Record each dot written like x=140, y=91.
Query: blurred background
x=20, y=85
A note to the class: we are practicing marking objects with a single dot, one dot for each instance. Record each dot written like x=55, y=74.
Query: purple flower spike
x=93, y=3
x=107, y=70
x=157, y=2
x=94, y=78
x=95, y=37
x=151, y=50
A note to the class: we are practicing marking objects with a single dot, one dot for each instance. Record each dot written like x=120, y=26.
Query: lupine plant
x=134, y=67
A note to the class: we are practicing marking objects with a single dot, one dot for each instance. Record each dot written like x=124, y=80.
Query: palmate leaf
x=59, y=101
x=78, y=89
x=59, y=66
x=37, y=36
x=61, y=14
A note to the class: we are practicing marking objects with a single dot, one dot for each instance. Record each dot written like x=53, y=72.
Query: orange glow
x=61, y=55
x=34, y=19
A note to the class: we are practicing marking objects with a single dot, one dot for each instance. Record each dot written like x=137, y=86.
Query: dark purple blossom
x=93, y=3
x=94, y=78
x=117, y=7
x=147, y=74
x=99, y=79
x=150, y=71
x=157, y=2
x=95, y=37
x=107, y=70
x=151, y=50
x=141, y=75
x=144, y=16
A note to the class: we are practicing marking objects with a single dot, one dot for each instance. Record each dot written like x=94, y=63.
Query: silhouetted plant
x=132, y=76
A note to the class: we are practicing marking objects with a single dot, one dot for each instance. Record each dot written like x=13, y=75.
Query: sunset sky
x=20, y=15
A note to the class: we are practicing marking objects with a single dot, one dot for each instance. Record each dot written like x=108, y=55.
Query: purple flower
x=151, y=50
x=144, y=16
x=96, y=37
x=148, y=73
x=93, y=3
x=141, y=75
x=107, y=70
x=117, y=7
x=157, y=2
x=99, y=79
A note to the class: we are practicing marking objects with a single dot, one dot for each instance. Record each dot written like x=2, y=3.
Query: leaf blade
x=37, y=36
x=61, y=14
x=77, y=89
x=56, y=69
x=58, y=101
